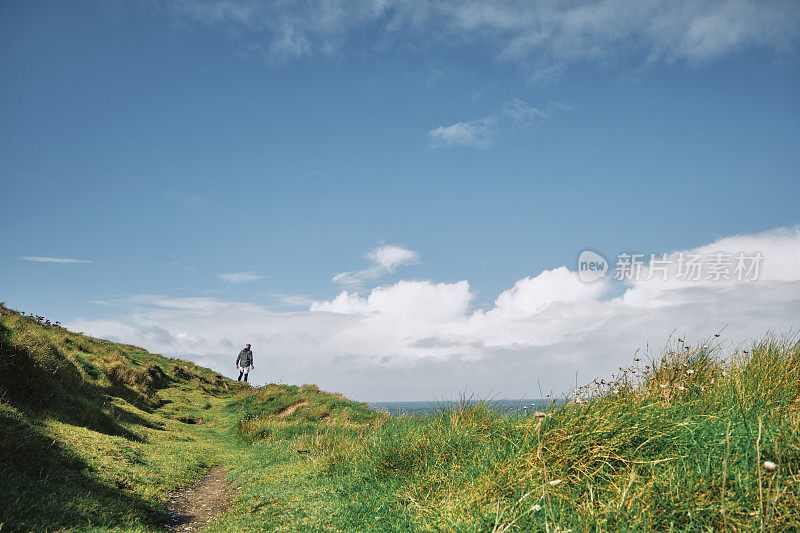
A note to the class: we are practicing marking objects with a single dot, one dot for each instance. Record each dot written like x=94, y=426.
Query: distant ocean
x=508, y=406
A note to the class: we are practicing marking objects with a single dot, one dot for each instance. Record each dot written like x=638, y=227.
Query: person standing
x=244, y=362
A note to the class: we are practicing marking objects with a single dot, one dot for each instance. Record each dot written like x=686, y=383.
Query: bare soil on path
x=193, y=507
x=292, y=408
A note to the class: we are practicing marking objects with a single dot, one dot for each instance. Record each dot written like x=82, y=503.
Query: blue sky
x=179, y=146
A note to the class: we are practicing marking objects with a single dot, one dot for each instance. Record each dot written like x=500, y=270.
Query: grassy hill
x=94, y=435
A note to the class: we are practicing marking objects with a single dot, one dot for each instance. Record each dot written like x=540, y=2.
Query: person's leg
x=240, y=376
x=246, y=373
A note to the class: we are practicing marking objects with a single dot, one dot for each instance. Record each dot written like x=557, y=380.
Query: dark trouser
x=241, y=373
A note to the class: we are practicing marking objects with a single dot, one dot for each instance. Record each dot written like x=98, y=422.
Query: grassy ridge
x=673, y=444
x=281, y=412
x=94, y=435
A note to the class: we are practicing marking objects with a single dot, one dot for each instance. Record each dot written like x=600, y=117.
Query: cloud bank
x=422, y=339
x=542, y=37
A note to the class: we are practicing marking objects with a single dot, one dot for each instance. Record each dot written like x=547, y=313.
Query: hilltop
x=96, y=434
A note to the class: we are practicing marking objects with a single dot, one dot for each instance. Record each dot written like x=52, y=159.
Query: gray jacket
x=245, y=358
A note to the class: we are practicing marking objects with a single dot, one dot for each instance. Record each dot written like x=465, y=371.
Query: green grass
x=89, y=430
x=678, y=444
x=94, y=435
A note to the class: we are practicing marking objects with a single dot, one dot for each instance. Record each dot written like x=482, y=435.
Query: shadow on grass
x=45, y=487
x=55, y=388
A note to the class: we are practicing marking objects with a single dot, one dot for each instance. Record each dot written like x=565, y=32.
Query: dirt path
x=193, y=507
x=291, y=409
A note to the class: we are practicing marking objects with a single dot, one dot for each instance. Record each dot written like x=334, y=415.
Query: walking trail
x=193, y=507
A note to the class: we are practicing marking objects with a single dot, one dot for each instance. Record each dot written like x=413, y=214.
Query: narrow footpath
x=193, y=507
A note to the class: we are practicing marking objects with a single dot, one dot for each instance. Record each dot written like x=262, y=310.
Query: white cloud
x=520, y=112
x=344, y=303
x=53, y=259
x=475, y=134
x=285, y=30
x=542, y=37
x=385, y=260
x=515, y=117
x=390, y=257
x=416, y=301
x=99, y=302
x=240, y=277
x=533, y=294
x=420, y=339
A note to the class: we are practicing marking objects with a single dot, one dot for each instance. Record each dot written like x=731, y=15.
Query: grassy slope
x=673, y=444
x=91, y=436
x=95, y=434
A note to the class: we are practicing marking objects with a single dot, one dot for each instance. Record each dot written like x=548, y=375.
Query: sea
x=503, y=406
